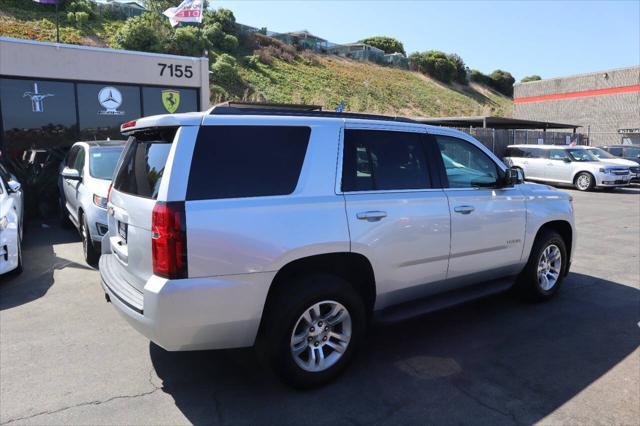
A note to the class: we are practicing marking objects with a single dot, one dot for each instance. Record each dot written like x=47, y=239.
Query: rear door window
x=376, y=160
x=247, y=161
x=143, y=163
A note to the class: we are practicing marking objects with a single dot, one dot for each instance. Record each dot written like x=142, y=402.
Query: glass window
x=631, y=152
x=376, y=160
x=535, y=153
x=466, y=165
x=36, y=114
x=157, y=100
x=581, y=155
x=143, y=163
x=104, y=107
x=103, y=161
x=601, y=153
x=557, y=154
x=78, y=163
x=246, y=161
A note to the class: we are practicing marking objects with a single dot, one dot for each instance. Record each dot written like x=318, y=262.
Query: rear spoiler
x=173, y=120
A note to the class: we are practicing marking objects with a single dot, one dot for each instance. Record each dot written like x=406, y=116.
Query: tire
x=584, y=181
x=91, y=255
x=342, y=311
x=530, y=284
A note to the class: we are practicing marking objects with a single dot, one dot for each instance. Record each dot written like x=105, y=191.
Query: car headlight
x=100, y=201
x=4, y=222
x=605, y=170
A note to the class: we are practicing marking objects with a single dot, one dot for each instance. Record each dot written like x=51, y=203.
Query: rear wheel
x=584, y=182
x=91, y=255
x=312, y=329
x=545, y=270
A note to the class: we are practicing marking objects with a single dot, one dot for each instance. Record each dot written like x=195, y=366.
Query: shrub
x=223, y=17
x=503, y=82
x=82, y=18
x=528, y=78
x=188, y=41
x=309, y=58
x=225, y=70
x=217, y=94
x=140, y=33
x=213, y=34
x=435, y=64
x=229, y=43
x=264, y=55
x=460, y=75
x=252, y=61
x=388, y=44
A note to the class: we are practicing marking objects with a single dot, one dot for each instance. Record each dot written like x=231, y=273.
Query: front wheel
x=545, y=270
x=584, y=182
x=311, y=332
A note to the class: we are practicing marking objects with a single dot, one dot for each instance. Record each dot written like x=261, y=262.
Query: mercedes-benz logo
x=110, y=98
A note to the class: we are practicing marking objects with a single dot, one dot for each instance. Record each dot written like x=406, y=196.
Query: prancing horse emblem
x=171, y=100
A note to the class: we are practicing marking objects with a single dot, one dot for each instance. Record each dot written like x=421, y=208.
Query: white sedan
x=11, y=209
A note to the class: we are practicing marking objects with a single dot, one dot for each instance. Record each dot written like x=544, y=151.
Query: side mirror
x=71, y=174
x=566, y=159
x=515, y=176
x=13, y=186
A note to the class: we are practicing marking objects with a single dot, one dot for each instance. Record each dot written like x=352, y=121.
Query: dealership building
x=605, y=104
x=52, y=95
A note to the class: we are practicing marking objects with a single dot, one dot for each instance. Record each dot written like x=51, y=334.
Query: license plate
x=122, y=230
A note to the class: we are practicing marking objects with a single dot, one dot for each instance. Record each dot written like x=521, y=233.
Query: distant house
x=396, y=60
x=124, y=8
x=303, y=40
x=360, y=52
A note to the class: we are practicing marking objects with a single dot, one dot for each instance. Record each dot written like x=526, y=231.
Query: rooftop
x=491, y=122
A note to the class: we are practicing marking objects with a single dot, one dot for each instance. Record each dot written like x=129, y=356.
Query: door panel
x=556, y=168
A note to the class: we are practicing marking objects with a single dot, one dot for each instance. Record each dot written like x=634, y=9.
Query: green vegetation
x=387, y=44
x=529, y=78
x=260, y=68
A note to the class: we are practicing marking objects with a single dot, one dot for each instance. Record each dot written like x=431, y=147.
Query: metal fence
x=497, y=140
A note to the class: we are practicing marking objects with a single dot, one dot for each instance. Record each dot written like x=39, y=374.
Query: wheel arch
x=563, y=228
x=353, y=267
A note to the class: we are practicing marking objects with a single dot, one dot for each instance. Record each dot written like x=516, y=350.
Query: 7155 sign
x=178, y=71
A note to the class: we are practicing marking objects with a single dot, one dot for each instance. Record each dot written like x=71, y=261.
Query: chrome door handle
x=463, y=209
x=371, y=216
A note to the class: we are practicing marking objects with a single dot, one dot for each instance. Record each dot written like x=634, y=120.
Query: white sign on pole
x=187, y=11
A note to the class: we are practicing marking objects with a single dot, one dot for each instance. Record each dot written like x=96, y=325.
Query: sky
x=548, y=38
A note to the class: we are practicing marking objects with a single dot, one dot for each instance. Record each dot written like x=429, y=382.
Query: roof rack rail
x=242, y=108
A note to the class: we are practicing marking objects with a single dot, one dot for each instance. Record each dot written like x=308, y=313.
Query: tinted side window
x=78, y=163
x=557, y=154
x=383, y=160
x=615, y=151
x=143, y=163
x=466, y=165
x=535, y=153
x=246, y=161
x=630, y=152
x=71, y=157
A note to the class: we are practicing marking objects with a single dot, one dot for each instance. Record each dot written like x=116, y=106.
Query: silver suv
x=290, y=230
x=567, y=165
x=83, y=185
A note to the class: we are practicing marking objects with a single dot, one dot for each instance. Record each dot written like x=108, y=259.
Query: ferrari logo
x=171, y=100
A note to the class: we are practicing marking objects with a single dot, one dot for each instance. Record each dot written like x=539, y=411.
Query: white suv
x=291, y=229
x=567, y=165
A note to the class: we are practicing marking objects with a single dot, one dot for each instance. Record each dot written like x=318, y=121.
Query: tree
x=528, y=78
x=435, y=64
x=187, y=41
x=388, y=44
x=144, y=33
x=503, y=82
x=461, y=69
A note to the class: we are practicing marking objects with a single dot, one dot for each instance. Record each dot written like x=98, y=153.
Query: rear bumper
x=190, y=314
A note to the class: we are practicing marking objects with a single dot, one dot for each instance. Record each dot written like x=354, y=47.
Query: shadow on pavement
x=493, y=361
x=40, y=262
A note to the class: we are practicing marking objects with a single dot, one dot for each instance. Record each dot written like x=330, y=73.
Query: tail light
x=169, y=240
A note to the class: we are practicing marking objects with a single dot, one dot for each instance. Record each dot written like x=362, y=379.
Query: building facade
x=52, y=95
x=606, y=104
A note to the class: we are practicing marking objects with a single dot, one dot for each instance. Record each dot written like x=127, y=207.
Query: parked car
x=290, y=230
x=11, y=223
x=566, y=165
x=627, y=153
x=84, y=185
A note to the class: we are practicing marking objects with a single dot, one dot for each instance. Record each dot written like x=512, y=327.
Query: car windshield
x=102, y=162
x=601, y=153
x=581, y=155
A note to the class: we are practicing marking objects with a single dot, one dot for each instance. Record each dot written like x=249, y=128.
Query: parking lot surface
x=67, y=357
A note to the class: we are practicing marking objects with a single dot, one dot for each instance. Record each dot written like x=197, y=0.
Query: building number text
x=176, y=70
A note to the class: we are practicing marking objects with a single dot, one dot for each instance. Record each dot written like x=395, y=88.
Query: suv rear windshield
x=246, y=161
x=143, y=162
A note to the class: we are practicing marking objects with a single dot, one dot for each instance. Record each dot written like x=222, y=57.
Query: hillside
x=367, y=87
x=308, y=78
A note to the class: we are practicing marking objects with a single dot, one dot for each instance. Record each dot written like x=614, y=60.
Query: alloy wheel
x=549, y=267
x=321, y=336
x=583, y=182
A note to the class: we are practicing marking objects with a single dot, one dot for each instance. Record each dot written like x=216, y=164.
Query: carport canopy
x=490, y=122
